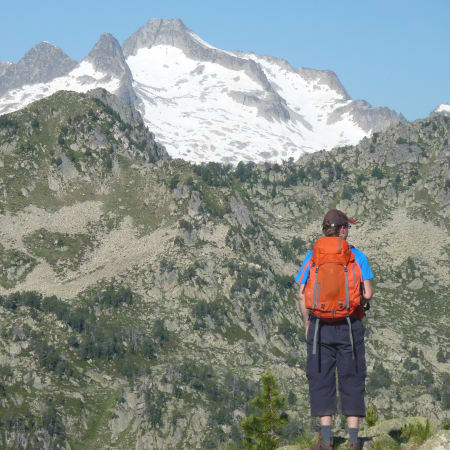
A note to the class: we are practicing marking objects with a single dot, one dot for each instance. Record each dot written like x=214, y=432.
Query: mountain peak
x=41, y=64
x=163, y=32
x=107, y=56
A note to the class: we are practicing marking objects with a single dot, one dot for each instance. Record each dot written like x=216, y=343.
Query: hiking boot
x=322, y=445
x=357, y=446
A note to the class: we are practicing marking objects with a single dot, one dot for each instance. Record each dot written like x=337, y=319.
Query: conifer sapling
x=263, y=432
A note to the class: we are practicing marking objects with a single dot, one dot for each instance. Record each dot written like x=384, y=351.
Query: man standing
x=335, y=334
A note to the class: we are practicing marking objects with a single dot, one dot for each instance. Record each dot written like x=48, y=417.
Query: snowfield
x=81, y=79
x=187, y=104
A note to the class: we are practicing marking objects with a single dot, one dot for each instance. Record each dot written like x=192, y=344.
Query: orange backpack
x=333, y=290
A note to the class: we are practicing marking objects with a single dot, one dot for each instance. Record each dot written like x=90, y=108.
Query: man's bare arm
x=303, y=310
x=367, y=291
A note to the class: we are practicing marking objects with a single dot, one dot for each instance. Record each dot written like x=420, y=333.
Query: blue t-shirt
x=360, y=258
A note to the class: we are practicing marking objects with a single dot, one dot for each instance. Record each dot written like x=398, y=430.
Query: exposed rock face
x=269, y=105
x=107, y=57
x=126, y=112
x=3, y=66
x=40, y=65
x=369, y=118
x=326, y=77
x=440, y=441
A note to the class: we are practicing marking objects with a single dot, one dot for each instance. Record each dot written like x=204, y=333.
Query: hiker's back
x=333, y=290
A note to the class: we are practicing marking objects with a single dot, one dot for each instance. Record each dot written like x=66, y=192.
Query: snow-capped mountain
x=203, y=103
x=104, y=67
x=442, y=109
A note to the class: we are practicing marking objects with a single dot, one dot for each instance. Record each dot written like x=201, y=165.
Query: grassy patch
x=97, y=428
x=61, y=250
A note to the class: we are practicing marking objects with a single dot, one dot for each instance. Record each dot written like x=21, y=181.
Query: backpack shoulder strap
x=307, y=265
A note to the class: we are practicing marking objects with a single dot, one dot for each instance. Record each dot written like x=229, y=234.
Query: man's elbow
x=368, y=291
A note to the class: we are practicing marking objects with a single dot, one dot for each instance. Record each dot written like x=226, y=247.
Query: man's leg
x=351, y=375
x=353, y=429
x=325, y=428
x=353, y=421
x=325, y=420
x=320, y=370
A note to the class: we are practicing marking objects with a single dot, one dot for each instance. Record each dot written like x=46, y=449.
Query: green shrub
x=215, y=310
x=441, y=355
x=289, y=331
x=160, y=332
x=246, y=172
x=155, y=402
x=377, y=173
x=185, y=225
x=179, y=241
x=371, y=415
x=417, y=433
x=115, y=297
x=214, y=174
x=379, y=378
x=173, y=183
x=6, y=122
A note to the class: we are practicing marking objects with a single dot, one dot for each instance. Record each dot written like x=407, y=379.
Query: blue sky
x=393, y=53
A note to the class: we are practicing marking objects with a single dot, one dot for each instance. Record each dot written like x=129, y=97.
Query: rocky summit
x=203, y=103
x=143, y=297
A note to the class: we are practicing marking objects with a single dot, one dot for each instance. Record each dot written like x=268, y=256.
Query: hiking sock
x=353, y=435
x=326, y=432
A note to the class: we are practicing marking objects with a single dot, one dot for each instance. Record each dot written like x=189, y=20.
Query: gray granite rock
x=440, y=441
x=41, y=64
x=269, y=105
x=126, y=112
x=324, y=77
x=367, y=117
x=107, y=57
x=240, y=211
x=4, y=65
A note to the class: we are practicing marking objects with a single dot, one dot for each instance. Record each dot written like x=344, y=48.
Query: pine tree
x=263, y=432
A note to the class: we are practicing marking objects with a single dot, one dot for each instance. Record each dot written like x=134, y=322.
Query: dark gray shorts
x=334, y=350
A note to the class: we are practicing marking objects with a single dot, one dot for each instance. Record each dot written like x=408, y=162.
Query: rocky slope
x=204, y=103
x=143, y=297
x=442, y=109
